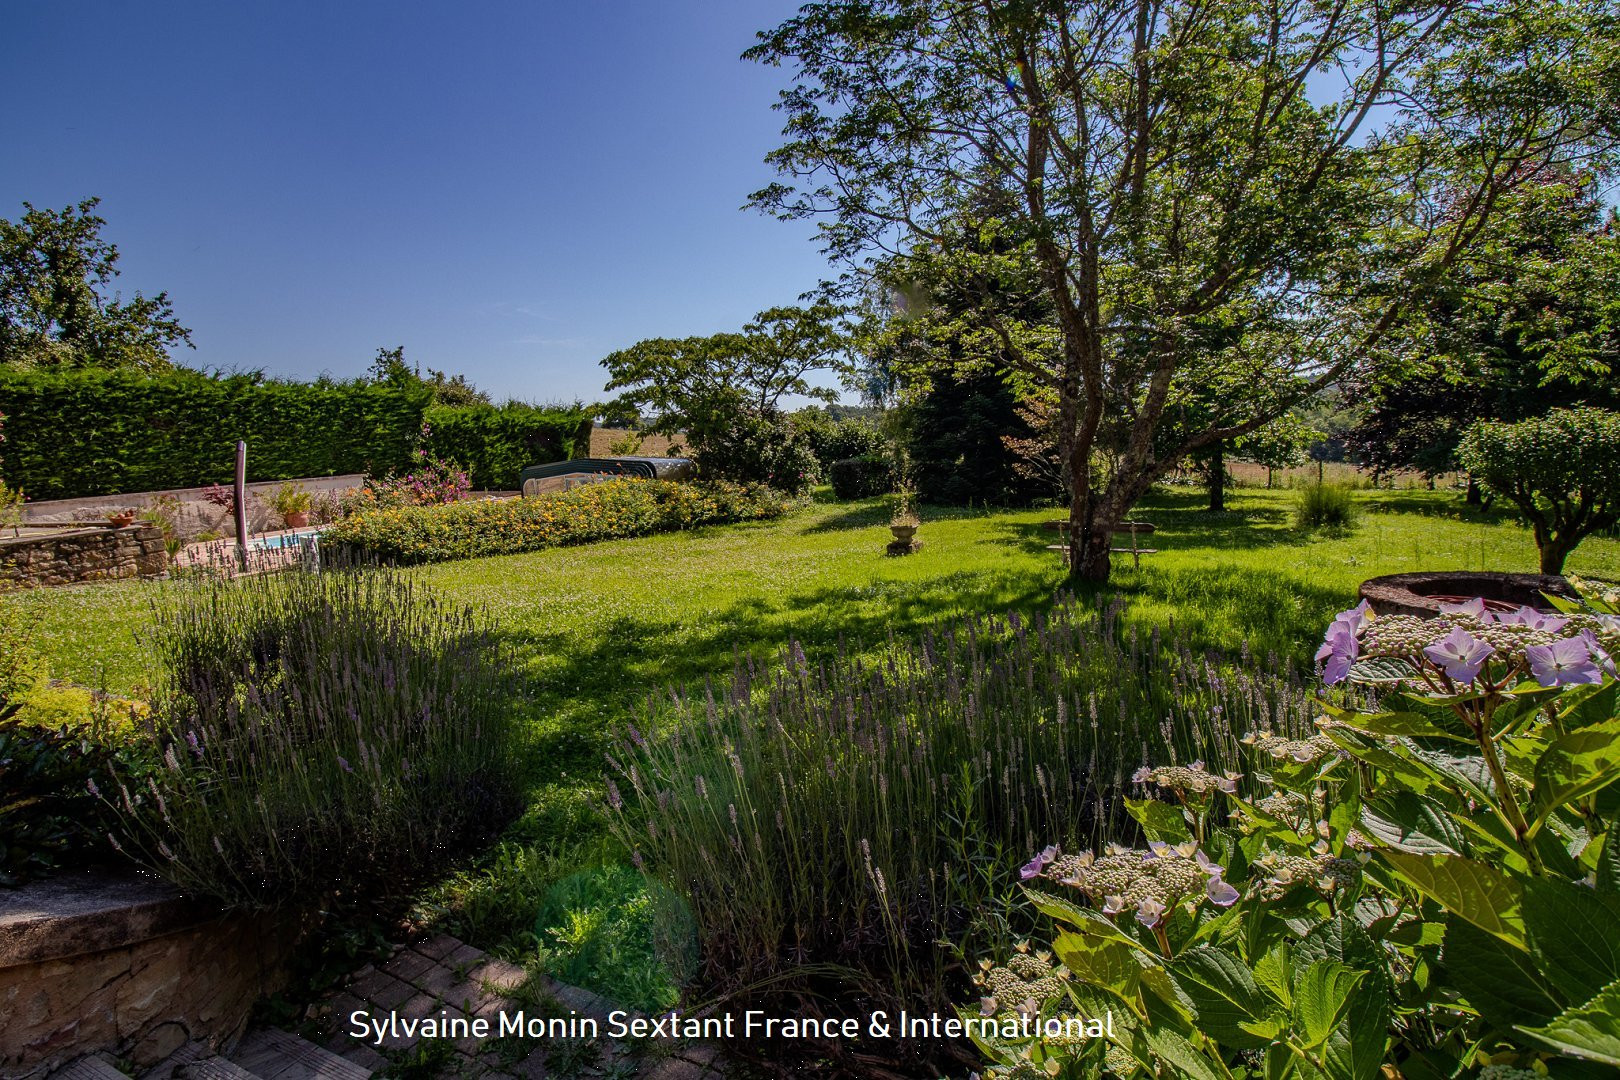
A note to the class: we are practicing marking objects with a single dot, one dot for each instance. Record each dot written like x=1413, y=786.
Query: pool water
x=284, y=540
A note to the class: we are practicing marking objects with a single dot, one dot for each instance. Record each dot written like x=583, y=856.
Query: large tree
x=1238, y=194
x=1528, y=321
x=55, y=311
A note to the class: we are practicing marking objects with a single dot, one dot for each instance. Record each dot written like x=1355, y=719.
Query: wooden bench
x=1134, y=528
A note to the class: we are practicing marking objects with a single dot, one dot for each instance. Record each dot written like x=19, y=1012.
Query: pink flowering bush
x=1429, y=886
x=432, y=481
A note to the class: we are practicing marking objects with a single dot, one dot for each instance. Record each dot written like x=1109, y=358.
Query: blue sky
x=509, y=190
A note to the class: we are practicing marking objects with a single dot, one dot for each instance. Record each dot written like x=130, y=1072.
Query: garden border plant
x=1432, y=883
x=614, y=509
x=843, y=830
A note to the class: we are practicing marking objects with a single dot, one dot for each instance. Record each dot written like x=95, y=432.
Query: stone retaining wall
x=100, y=962
x=66, y=555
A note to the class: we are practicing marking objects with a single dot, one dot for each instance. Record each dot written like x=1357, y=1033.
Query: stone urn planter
x=904, y=528
x=296, y=519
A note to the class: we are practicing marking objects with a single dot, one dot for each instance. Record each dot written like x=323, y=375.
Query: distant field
x=602, y=440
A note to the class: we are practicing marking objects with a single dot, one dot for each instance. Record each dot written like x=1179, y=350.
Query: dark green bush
x=858, y=478
x=55, y=744
x=331, y=742
x=94, y=431
x=836, y=439
x=755, y=448
x=1325, y=506
x=606, y=511
x=870, y=815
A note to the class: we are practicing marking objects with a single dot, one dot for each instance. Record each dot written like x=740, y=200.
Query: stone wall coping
x=91, y=911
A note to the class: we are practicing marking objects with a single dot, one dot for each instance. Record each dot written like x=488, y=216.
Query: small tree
x=724, y=392
x=1561, y=470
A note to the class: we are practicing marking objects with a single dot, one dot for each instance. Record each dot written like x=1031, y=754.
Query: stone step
x=271, y=1054
x=213, y=1068
x=89, y=1067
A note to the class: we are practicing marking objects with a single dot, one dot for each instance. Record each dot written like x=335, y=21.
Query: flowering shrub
x=611, y=510
x=1428, y=888
x=432, y=481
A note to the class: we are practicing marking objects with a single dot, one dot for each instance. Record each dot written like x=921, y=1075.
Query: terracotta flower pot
x=120, y=521
x=296, y=519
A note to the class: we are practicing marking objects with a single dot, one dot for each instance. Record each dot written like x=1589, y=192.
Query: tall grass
x=329, y=740
x=845, y=818
x=1325, y=506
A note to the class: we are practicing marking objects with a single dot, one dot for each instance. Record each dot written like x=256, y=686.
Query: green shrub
x=54, y=742
x=331, y=742
x=1562, y=472
x=97, y=431
x=858, y=814
x=861, y=477
x=756, y=448
x=607, y=511
x=833, y=439
x=1325, y=506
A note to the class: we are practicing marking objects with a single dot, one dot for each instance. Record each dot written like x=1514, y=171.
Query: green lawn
x=600, y=627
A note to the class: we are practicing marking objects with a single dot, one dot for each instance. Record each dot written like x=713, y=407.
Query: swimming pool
x=284, y=540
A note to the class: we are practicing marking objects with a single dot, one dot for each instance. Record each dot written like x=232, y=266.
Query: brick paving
x=444, y=977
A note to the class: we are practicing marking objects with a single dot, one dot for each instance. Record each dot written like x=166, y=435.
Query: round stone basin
x=1422, y=594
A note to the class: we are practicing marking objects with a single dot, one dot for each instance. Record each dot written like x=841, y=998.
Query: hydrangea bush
x=1426, y=888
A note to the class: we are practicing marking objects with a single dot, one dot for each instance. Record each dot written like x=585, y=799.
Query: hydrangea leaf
x=1483, y=895
x=1590, y=1031
x=1502, y=982
x=1574, y=766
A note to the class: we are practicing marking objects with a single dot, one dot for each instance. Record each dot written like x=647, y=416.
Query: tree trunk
x=1089, y=558
x=1217, y=476
x=1553, y=554
x=1473, y=497
x=1270, y=475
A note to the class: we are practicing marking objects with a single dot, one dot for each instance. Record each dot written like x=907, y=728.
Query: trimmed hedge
x=612, y=510
x=858, y=478
x=98, y=432
x=495, y=443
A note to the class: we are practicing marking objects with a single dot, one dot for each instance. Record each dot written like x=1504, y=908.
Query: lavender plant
x=328, y=740
x=833, y=823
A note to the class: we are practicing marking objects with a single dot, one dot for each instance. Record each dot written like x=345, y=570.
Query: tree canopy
x=55, y=311
x=724, y=392
x=1227, y=200
x=1529, y=320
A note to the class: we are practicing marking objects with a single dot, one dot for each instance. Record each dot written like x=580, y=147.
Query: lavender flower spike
x=1460, y=654
x=1563, y=663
